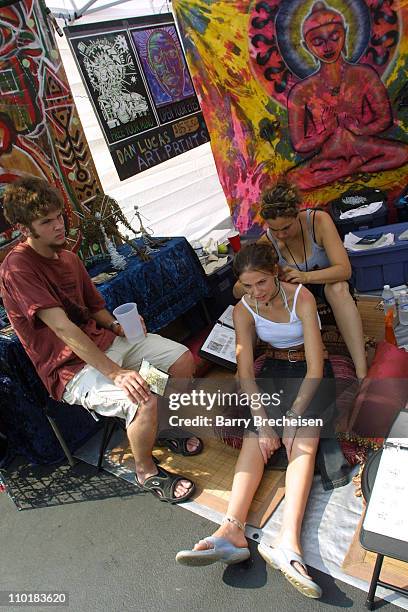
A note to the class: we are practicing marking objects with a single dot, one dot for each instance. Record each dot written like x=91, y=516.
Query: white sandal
x=283, y=559
x=220, y=549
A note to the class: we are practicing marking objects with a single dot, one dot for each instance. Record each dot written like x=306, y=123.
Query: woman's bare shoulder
x=239, y=307
x=241, y=314
x=289, y=289
x=263, y=239
x=305, y=302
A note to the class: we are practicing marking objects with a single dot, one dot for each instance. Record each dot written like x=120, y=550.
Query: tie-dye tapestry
x=314, y=91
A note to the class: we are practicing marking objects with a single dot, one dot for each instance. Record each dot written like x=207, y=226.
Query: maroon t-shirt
x=31, y=282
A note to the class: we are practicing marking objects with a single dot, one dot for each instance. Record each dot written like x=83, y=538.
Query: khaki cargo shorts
x=95, y=392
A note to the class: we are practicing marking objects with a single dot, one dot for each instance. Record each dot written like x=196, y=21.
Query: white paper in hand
x=155, y=378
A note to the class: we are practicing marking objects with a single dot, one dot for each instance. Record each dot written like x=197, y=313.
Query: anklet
x=231, y=519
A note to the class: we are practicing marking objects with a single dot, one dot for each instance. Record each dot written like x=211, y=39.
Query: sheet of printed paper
x=387, y=510
x=221, y=342
x=156, y=379
x=226, y=317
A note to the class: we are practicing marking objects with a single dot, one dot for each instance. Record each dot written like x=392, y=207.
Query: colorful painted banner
x=141, y=90
x=40, y=131
x=308, y=90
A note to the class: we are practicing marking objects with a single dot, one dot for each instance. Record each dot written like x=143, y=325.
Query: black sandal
x=163, y=485
x=169, y=439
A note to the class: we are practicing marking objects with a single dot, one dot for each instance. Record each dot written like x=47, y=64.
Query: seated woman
x=311, y=252
x=284, y=315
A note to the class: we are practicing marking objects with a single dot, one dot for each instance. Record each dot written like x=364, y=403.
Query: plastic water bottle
x=403, y=308
x=388, y=299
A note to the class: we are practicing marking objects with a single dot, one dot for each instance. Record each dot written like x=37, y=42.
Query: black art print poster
x=141, y=90
x=114, y=82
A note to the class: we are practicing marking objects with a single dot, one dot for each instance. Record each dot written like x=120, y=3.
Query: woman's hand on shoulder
x=294, y=276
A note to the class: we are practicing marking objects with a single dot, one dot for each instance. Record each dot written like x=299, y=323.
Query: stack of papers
x=351, y=242
x=213, y=263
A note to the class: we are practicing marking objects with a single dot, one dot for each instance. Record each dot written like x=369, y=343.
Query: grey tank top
x=318, y=259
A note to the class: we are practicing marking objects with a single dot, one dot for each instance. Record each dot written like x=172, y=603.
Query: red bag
x=383, y=393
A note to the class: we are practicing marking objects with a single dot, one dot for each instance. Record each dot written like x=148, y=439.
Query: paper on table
x=221, y=343
x=350, y=242
x=226, y=317
x=387, y=510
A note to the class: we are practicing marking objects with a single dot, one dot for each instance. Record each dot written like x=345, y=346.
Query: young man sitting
x=76, y=346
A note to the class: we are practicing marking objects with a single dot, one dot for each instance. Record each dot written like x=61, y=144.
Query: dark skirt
x=284, y=378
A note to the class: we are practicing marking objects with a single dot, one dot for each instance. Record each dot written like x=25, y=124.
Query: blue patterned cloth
x=27, y=429
x=163, y=288
x=24, y=402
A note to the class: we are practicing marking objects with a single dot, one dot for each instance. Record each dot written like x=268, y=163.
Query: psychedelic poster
x=139, y=84
x=40, y=131
x=163, y=64
x=308, y=90
x=166, y=72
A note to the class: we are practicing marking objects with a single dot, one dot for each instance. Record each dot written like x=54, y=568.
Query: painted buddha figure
x=337, y=113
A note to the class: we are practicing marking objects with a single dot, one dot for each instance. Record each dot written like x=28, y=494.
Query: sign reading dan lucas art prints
x=141, y=90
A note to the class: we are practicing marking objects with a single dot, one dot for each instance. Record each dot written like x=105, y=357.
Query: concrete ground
x=118, y=554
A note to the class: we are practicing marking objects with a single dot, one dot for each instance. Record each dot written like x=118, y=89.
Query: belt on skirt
x=291, y=355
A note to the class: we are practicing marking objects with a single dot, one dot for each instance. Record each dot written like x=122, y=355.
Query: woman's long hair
x=257, y=256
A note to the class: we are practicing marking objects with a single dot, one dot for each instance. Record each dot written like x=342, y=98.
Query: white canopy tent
x=90, y=10
x=182, y=196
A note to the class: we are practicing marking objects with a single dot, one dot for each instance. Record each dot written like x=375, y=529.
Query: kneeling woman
x=285, y=316
x=311, y=252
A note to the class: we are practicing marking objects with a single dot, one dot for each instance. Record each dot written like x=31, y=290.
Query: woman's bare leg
x=299, y=476
x=349, y=323
x=248, y=473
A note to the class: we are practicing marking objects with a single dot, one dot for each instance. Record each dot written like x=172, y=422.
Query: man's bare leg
x=184, y=367
x=142, y=434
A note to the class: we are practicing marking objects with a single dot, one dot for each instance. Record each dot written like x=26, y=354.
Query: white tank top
x=280, y=335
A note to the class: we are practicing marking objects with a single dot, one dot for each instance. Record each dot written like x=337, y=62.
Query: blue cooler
x=374, y=268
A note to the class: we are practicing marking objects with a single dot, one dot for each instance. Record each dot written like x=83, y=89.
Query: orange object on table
x=389, y=328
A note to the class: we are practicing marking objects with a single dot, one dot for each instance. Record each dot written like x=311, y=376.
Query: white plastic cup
x=128, y=316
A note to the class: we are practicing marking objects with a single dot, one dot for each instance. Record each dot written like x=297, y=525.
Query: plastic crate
x=372, y=269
